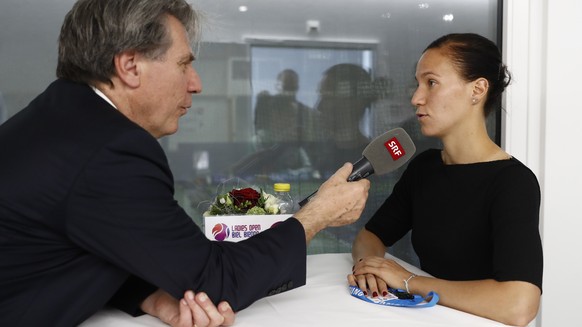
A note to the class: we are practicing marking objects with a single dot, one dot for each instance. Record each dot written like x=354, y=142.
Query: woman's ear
x=127, y=68
x=480, y=88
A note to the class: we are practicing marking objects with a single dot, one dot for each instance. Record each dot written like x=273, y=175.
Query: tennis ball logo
x=220, y=232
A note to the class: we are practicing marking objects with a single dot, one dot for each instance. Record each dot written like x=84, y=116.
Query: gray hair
x=95, y=31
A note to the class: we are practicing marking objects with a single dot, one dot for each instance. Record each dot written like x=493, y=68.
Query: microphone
x=384, y=154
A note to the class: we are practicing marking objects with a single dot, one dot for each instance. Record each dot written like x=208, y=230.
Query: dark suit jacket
x=86, y=200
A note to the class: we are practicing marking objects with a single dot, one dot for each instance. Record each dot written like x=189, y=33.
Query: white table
x=324, y=301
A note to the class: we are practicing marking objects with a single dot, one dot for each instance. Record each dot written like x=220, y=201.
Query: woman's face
x=442, y=98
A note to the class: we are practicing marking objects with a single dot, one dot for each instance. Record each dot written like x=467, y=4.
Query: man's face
x=166, y=85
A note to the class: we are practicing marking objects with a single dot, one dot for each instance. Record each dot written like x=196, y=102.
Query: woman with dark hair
x=472, y=208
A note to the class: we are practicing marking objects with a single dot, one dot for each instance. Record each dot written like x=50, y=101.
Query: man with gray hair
x=87, y=212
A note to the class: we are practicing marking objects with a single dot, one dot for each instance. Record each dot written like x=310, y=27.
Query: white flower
x=271, y=204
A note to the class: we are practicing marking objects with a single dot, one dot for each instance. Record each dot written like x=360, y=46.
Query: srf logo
x=395, y=149
x=220, y=232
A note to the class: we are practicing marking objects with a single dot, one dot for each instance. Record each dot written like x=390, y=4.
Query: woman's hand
x=377, y=274
x=375, y=285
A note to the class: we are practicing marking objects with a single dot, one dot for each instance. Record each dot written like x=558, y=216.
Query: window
x=336, y=111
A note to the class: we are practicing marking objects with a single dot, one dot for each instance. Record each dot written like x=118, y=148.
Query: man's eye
x=184, y=66
x=431, y=82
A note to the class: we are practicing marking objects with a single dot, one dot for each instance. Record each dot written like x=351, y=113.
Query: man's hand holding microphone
x=337, y=203
x=342, y=198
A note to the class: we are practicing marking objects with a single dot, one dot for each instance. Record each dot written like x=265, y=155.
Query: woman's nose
x=417, y=98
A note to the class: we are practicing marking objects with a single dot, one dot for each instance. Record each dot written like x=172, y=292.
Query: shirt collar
x=101, y=94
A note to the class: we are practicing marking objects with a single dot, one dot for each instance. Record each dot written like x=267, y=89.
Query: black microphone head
x=389, y=151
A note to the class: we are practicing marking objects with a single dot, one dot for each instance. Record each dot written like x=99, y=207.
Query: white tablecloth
x=324, y=301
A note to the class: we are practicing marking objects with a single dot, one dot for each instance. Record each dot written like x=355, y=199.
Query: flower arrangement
x=244, y=201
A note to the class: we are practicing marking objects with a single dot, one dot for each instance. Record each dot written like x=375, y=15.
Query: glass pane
x=352, y=66
x=284, y=121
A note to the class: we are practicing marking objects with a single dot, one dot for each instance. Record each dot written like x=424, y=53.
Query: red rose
x=245, y=198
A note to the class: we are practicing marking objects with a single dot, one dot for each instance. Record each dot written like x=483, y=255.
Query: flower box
x=238, y=228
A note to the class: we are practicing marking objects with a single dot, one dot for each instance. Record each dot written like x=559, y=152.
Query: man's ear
x=127, y=69
x=480, y=88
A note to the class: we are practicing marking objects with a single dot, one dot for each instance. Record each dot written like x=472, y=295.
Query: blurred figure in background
x=346, y=92
x=280, y=118
x=282, y=125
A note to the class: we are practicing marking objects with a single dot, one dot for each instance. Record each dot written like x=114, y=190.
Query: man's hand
x=192, y=310
x=336, y=203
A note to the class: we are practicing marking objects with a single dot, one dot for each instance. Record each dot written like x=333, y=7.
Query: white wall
x=543, y=48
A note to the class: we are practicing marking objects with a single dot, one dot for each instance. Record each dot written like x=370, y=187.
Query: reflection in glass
x=332, y=116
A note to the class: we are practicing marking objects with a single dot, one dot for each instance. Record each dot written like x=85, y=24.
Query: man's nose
x=194, y=82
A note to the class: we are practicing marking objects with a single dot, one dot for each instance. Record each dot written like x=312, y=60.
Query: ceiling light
x=243, y=8
x=423, y=5
x=448, y=17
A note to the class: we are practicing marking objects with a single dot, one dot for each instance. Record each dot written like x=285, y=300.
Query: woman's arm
x=367, y=244
x=511, y=302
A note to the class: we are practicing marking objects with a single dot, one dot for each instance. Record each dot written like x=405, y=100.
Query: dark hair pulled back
x=475, y=56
